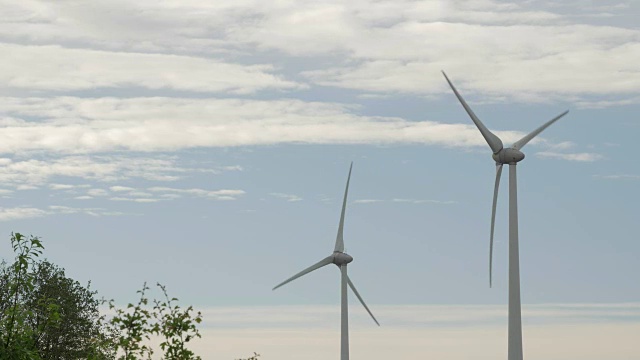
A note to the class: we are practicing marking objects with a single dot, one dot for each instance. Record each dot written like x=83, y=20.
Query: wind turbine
x=341, y=259
x=511, y=156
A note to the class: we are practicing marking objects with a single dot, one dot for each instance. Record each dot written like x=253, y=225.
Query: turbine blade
x=494, y=142
x=493, y=220
x=361, y=301
x=339, y=239
x=522, y=142
x=326, y=261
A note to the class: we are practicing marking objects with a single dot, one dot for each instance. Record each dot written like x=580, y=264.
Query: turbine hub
x=508, y=156
x=340, y=258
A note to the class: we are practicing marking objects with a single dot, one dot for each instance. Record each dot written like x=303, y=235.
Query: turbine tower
x=511, y=156
x=341, y=259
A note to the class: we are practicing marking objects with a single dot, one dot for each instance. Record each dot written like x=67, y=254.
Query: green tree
x=44, y=315
x=65, y=317
x=16, y=337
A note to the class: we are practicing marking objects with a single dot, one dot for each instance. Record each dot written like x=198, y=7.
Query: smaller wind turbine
x=341, y=259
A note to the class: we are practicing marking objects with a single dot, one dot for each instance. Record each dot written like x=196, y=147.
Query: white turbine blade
x=493, y=220
x=344, y=314
x=522, y=142
x=339, y=238
x=494, y=142
x=326, y=261
x=361, y=301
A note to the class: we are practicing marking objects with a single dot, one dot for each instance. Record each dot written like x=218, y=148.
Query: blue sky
x=206, y=146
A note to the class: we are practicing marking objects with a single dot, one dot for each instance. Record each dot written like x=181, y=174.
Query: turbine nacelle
x=508, y=156
x=340, y=258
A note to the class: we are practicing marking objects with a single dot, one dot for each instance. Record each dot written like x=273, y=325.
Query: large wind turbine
x=511, y=156
x=341, y=259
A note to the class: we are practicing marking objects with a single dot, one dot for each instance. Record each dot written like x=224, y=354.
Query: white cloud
x=170, y=196
x=61, y=186
x=224, y=194
x=367, y=28
x=168, y=124
x=287, y=197
x=100, y=168
x=81, y=69
x=410, y=201
x=493, y=49
x=139, y=200
x=146, y=26
x=527, y=51
x=97, y=192
x=139, y=194
x=565, y=145
x=130, y=191
x=619, y=177
x=601, y=104
x=61, y=209
x=9, y=214
x=420, y=201
x=367, y=201
x=581, y=157
x=160, y=193
x=233, y=168
x=121, y=188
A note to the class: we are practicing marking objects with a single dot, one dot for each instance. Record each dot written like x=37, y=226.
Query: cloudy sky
x=205, y=145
